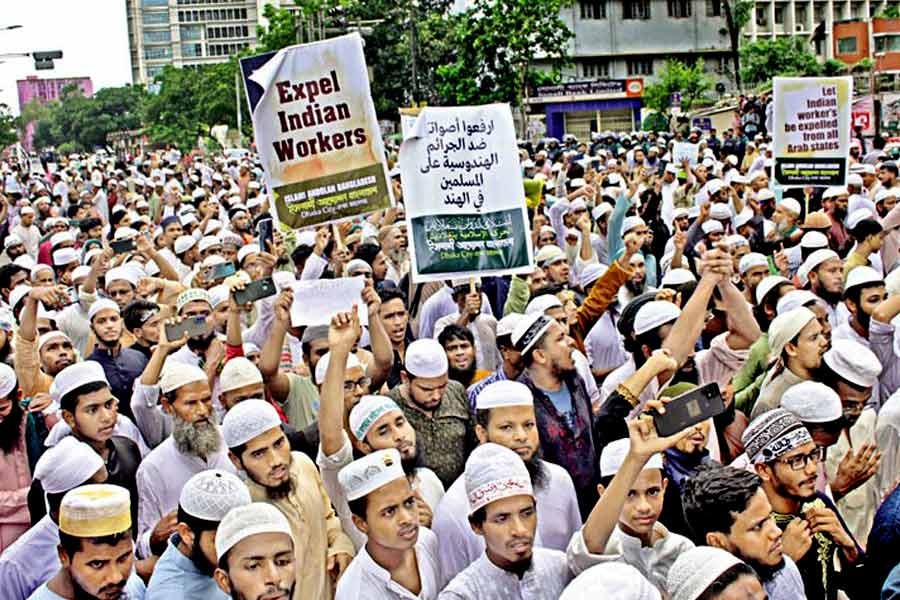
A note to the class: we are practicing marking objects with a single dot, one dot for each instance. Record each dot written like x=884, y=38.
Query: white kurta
x=160, y=478
x=30, y=561
x=652, y=561
x=364, y=578
x=558, y=519
x=857, y=507
x=545, y=579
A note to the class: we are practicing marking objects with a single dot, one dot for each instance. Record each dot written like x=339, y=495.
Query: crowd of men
x=479, y=438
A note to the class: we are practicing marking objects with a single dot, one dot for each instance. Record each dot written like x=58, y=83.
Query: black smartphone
x=690, y=408
x=266, y=232
x=73, y=295
x=193, y=326
x=220, y=271
x=123, y=246
x=261, y=288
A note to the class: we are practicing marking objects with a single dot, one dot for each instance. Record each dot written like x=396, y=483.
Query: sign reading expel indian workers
x=316, y=131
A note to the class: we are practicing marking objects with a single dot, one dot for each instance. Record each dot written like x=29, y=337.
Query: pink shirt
x=15, y=481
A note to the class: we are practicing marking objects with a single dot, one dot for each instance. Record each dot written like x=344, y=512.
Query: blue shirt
x=175, y=577
x=134, y=590
x=891, y=590
x=476, y=388
x=121, y=372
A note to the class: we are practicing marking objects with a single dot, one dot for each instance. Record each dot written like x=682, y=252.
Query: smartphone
x=193, y=326
x=690, y=408
x=266, y=232
x=73, y=295
x=122, y=246
x=220, y=271
x=261, y=288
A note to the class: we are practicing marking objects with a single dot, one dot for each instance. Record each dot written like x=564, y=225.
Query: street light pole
x=413, y=43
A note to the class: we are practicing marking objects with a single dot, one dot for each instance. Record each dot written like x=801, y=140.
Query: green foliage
x=85, y=122
x=742, y=11
x=767, y=58
x=8, y=131
x=891, y=12
x=833, y=67
x=691, y=81
x=281, y=32
x=865, y=64
x=496, y=46
x=655, y=121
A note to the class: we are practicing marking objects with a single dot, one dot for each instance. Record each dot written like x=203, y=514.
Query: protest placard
x=316, y=131
x=811, y=130
x=682, y=151
x=464, y=200
x=317, y=300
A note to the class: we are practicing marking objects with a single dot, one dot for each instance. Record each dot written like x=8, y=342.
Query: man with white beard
x=195, y=445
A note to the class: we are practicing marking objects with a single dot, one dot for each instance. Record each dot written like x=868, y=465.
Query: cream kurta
x=859, y=506
x=546, y=578
x=317, y=530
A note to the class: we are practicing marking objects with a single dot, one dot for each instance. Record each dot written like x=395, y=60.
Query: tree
x=763, y=59
x=690, y=81
x=497, y=46
x=737, y=14
x=891, y=12
x=8, y=131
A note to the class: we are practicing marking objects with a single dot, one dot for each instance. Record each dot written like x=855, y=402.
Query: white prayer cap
x=246, y=521
x=885, y=193
x=791, y=205
x=38, y=268
x=464, y=281
x=250, y=348
x=237, y=373
x=90, y=254
x=834, y=192
x=184, y=243
x=591, y=273
x=680, y=212
x=853, y=362
x=357, y=266
x=695, y=570
x=100, y=305
x=187, y=219
x=604, y=208
x=125, y=233
x=25, y=261
x=613, y=581
x=60, y=238
x=814, y=239
x=507, y=324
x=812, y=402
x=12, y=240
x=817, y=258
x=857, y=202
x=529, y=330
x=714, y=186
x=246, y=251
x=677, y=277
x=26, y=210
x=122, y=273
x=743, y=217
x=672, y=168
x=504, y=393
x=494, y=472
x=614, y=454
x=630, y=223
x=794, y=299
x=577, y=203
x=212, y=226
x=765, y=193
x=191, y=295
x=858, y=216
x=7, y=380
x=210, y=494
x=752, y=260
x=95, y=510
x=306, y=238
x=176, y=374
x=426, y=358
x=66, y=465
x=365, y=475
x=736, y=240
x=198, y=193
x=76, y=375
x=637, y=259
x=854, y=179
x=325, y=360
x=862, y=276
x=248, y=419
x=712, y=226
x=367, y=411
x=719, y=211
x=767, y=285
x=65, y=256
x=51, y=335
x=654, y=314
x=543, y=303
x=218, y=294
x=786, y=326
x=549, y=254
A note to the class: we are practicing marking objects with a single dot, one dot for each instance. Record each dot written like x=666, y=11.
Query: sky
x=92, y=34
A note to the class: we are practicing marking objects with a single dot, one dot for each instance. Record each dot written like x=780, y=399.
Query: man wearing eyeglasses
x=787, y=460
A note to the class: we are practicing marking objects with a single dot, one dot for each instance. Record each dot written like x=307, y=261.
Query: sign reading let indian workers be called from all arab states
x=464, y=197
x=811, y=130
x=316, y=131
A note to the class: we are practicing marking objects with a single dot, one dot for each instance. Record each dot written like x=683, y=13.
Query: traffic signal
x=43, y=65
x=47, y=55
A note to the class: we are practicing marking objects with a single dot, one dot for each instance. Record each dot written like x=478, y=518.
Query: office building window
x=639, y=66
x=156, y=18
x=190, y=33
x=713, y=8
x=157, y=37
x=779, y=15
x=885, y=43
x=191, y=50
x=593, y=9
x=152, y=3
x=847, y=45
x=800, y=18
x=157, y=52
x=679, y=9
x=762, y=16
x=635, y=9
x=595, y=69
x=152, y=72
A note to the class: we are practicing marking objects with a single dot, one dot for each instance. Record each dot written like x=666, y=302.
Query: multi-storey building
x=34, y=89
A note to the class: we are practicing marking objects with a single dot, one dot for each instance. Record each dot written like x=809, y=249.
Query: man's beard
x=200, y=344
x=463, y=376
x=537, y=471
x=414, y=462
x=82, y=594
x=282, y=490
x=832, y=298
x=840, y=213
x=10, y=427
x=766, y=572
x=687, y=373
x=634, y=287
x=863, y=319
x=193, y=440
x=236, y=595
x=199, y=559
x=398, y=255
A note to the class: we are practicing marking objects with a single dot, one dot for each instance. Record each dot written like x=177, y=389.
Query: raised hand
x=344, y=330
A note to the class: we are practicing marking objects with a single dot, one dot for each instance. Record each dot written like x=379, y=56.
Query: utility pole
x=413, y=43
x=237, y=104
